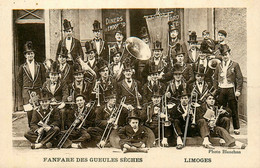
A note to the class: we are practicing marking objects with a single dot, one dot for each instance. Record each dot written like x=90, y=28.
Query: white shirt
x=225, y=83
x=62, y=66
x=185, y=109
x=31, y=68
x=200, y=86
x=177, y=84
x=194, y=54
x=98, y=46
x=129, y=84
x=52, y=87
x=68, y=46
x=203, y=62
x=156, y=61
x=91, y=62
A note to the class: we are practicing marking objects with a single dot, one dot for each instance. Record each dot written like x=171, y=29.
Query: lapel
x=130, y=90
x=205, y=88
x=57, y=87
x=179, y=108
x=37, y=68
x=66, y=71
x=27, y=71
x=196, y=57
x=48, y=86
x=102, y=45
x=39, y=111
x=72, y=44
x=149, y=86
x=229, y=66
x=172, y=85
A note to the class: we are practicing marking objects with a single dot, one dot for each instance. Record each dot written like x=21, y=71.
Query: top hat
x=45, y=97
x=184, y=93
x=78, y=69
x=127, y=64
x=133, y=115
x=89, y=47
x=179, y=49
x=144, y=32
x=109, y=94
x=224, y=49
x=200, y=70
x=96, y=26
x=223, y=32
x=119, y=29
x=67, y=25
x=153, y=69
x=101, y=64
x=28, y=47
x=193, y=38
x=54, y=68
x=172, y=26
x=177, y=69
x=156, y=91
x=63, y=52
x=157, y=45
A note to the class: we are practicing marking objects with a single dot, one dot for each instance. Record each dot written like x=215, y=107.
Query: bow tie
x=200, y=83
x=53, y=83
x=68, y=38
x=97, y=40
x=129, y=80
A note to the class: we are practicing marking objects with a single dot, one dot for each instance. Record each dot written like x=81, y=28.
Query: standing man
x=173, y=41
x=193, y=53
x=98, y=43
x=220, y=45
x=45, y=125
x=71, y=44
x=116, y=66
x=228, y=79
x=31, y=76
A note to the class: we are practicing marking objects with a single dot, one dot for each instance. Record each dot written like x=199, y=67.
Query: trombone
x=97, y=92
x=108, y=129
x=74, y=124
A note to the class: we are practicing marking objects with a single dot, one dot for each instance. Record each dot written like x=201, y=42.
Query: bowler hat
x=109, y=94
x=89, y=47
x=101, y=64
x=78, y=69
x=157, y=45
x=63, y=52
x=133, y=115
x=184, y=93
x=179, y=49
x=193, y=38
x=224, y=49
x=54, y=68
x=127, y=64
x=177, y=69
x=28, y=47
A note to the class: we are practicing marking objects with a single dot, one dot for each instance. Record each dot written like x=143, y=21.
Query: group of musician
x=72, y=101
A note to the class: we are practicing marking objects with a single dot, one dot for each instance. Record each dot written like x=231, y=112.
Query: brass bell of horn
x=138, y=48
x=213, y=63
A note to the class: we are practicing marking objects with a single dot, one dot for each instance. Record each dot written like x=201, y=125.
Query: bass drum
x=114, y=138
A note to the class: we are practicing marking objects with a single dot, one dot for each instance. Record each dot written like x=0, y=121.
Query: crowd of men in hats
x=192, y=91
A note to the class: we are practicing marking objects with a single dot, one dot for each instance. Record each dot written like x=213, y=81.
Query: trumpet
x=97, y=92
x=167, y=123
x=74, y=124
x=193, y=123
x=115, y=115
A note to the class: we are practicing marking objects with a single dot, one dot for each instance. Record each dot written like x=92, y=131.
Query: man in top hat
x=66, y=70
x=133, y=137
x=76, y=117
x=70, y=43
x=218, y=122
x=91, y=56
x=130, y=88
x=173, y=40
x=207, y=45
x=179, y=114
x=116, y=67
x=31, y=77
x=45, y=125
x=200, y=86
x=80, y=86
x=57, y=90
x=104, y=81
x=185, y=68
x=106, y=115
x=152, y=84
x=193, y=52
x=228, y=80
x=120, y=44
x=98, y=43
x=144, y=35
x=203, y=65
x=160, y=62
x=152, y=113
x=175, y=87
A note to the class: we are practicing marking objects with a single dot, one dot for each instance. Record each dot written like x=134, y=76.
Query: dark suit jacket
x=103, y=52
x=38, y=115
x=67, y=74
x=61, y=92
x=148, y=91
x=130, y=93
x=72, y=114
x=86, y=91
x=75, y=50
x=205, y=89
x=127, y=135
x=172, y=52
x=234, y=75
x=187, y=72
x=175, y=93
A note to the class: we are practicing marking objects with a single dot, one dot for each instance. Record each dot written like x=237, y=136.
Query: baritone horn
x=138, y=48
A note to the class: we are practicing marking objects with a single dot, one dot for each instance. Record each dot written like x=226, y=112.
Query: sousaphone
x=138, y=48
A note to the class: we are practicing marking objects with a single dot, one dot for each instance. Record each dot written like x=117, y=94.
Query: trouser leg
x=62, y=116
x=50, y=134
x=224, y=122
x=232, y=103
x=31, y=136
x=203, y=128
x=222, y=133
x=29, y=116
x=177, y=126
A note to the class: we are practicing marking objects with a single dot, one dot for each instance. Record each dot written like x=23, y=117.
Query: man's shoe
x=145, y=150
x=179, y=146
x=236, y=132
x=32, y=146
x=124, y=150
x=208, y=146
x=80, y=146
x=48, y=145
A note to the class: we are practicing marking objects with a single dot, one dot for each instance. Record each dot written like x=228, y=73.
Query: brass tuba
x=138, y=48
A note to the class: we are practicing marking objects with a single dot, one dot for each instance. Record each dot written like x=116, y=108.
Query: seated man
x=151, y=115
x=180, y=115
x=133, y=136
x=217, y=121
x=44, y=125
x=79, y=120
